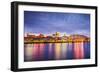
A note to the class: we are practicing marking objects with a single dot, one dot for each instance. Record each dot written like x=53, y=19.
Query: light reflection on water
x=56, y=51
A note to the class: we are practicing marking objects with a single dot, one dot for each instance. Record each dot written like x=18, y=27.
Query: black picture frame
x=14, y=35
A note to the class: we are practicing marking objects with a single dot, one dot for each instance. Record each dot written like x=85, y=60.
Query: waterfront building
x=41, y=36
x=57, y=34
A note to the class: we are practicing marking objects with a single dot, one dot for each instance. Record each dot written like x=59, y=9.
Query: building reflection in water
x=64, y=50
x=78, y=50
x=56, y=51
x=28, y=52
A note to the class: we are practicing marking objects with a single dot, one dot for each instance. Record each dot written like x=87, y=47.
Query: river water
x=56, y=51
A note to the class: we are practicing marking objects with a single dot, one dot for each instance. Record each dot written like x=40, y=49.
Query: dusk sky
x=51, y=22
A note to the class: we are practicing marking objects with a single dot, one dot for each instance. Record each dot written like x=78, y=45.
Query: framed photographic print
x=52, y=36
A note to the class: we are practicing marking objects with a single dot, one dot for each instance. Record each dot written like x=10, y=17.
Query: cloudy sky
x=51, y=22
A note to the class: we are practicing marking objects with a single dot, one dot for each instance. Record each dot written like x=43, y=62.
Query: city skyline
x=51, y=22
x=51, y=34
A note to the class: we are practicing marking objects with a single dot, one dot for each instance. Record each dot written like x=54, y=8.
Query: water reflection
x=64, y=50
x=79, y=50
x=56, y=51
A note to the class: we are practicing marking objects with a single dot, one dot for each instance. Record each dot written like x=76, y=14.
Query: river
x=56, y=51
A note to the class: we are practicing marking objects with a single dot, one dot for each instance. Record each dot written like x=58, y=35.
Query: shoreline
x=31, y=42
